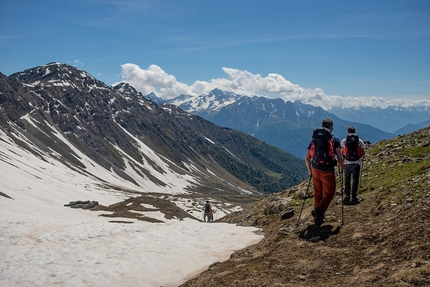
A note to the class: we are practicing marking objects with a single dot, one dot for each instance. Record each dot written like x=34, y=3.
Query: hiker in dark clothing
x=321, y=165
x=207, y=212
x=353, y=154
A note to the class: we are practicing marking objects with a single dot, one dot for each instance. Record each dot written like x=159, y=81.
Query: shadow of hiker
x=313, y=233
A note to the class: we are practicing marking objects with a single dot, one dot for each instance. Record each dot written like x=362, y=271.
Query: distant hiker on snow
x=353, y=153
x=320, y=161
x=208, y=213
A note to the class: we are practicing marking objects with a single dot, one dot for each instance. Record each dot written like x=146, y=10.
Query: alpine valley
x=66, y=137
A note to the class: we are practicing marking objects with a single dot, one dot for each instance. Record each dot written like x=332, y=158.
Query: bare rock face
x=82, y=204
x=276, y=206
x=287, y=213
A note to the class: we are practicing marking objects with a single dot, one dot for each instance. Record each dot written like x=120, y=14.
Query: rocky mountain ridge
x=405, y=118
x=59, y=111
x=286, y=125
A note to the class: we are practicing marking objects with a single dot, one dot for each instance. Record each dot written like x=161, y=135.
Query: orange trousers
x=324, y=188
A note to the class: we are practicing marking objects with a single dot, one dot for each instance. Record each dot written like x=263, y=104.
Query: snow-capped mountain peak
x=207, y=104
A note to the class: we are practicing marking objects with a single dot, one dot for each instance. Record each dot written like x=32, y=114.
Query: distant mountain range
x=119, y=138
x=397, y=120
x=413, y=127
x=393, y=119
x=286, y=125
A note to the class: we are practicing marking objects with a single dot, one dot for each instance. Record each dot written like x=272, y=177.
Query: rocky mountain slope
x=62, y=112
x=383, y=241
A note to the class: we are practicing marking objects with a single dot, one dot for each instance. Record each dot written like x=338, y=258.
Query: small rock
x=286, y=230
x=82, y=204
x=288, y=213
x=213, y=265
x=315, y=239
x=276, y=206
x=303, y=277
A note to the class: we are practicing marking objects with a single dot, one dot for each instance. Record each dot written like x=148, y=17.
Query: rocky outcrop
x=82, y=204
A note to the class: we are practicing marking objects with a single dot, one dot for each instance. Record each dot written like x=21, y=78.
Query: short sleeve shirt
x=360, y=143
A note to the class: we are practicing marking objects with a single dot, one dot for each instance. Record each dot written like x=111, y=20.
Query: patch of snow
x=209, y=140
x=44, y=243
x=47, y=72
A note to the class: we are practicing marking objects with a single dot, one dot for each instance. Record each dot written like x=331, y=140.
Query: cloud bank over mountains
x=156, y=80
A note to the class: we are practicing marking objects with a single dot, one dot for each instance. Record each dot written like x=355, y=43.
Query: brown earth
x=150, y=202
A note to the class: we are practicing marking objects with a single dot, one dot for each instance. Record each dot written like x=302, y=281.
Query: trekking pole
x=361, y=172
x=341, y=189
x=303, y=204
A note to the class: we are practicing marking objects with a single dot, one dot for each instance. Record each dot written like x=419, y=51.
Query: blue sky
x=339, y=49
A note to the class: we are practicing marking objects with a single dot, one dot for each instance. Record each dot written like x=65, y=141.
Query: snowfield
x=44, y=243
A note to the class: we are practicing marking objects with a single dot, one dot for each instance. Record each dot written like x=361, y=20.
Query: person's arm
x=342, y=147
x=363, y=148
x=339, y=157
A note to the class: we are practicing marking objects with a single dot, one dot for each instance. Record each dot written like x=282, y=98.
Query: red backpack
x=322, y=148
x=352, y=151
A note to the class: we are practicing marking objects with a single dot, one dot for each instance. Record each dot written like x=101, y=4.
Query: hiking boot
x=346, y=200
x=355, y=200
x=318, y=218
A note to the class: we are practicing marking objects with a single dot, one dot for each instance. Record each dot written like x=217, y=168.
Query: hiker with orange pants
x=320, y=161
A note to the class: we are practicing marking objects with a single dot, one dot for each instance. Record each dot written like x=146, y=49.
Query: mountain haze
x=393, y=119
x=413, y=127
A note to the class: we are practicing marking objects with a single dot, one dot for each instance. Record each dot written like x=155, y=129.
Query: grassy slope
x=384, y=241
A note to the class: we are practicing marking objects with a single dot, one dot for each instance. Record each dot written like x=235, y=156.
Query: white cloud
x=78, y=63
x=155, y=79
